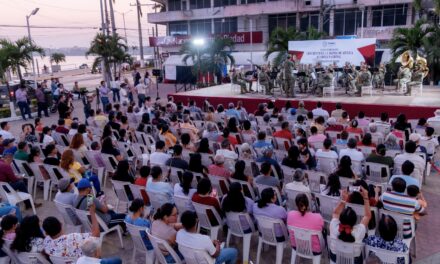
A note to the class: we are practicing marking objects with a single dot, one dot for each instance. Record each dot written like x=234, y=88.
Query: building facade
x=201, y=18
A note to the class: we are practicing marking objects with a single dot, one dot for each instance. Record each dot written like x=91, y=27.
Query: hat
x=414, y=137
x=8, y=141
x=219, y=159
x=64, y=183
x=9, y=152
x=331, y=121
x=293, y=111
x=84, y=183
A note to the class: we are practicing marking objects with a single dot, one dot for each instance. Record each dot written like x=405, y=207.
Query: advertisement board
x=330, y=51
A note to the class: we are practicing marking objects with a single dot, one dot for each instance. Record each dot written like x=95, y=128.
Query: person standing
x=41, y=101
x=116, y=86
x=136, y=77
x=140, y=90
x=103, y=93
x=22, y=100
x=63, y=107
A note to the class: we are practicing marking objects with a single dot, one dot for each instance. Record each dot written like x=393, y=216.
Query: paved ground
x=428, y=233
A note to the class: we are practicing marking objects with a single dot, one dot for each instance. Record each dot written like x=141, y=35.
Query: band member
x=351, y=79
x=287, y=76
x=324, y=80
x=363, y=79
x=379, y=77
x=404, y=73
x=420, y=71
x=238, y=79
x=265, y=81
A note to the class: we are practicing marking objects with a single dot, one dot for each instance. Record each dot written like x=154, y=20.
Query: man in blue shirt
x=261, y=141
x=407, y=169
x=232, y=112
x=267, y=157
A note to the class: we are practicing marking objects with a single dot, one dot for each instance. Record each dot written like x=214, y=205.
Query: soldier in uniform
x=265, y=81
x=237, y=78
x=379, y=77
x=419, y=73
x=404, y=73
x=351, y=79
x=287, y=75
x=363, y=79
x=324, y=80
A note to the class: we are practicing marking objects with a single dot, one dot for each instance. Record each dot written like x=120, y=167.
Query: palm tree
x=191, y=51
x=279, y=42
x=432, y=46
x=109, y=50
x=57, y=58
x=19, y=53
x=410, y=39
x=313, y=34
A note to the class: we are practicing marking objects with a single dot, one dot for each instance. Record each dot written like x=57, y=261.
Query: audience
x=157, y=184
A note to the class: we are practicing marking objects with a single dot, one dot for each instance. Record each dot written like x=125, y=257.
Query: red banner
x=237, y=38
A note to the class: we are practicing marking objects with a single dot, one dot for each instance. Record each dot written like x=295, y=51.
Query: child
x=144, y=171
x=414, y=192
x=8, y=225
x=306, y=155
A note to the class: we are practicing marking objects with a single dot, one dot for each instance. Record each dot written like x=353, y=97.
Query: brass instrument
x=423, y=65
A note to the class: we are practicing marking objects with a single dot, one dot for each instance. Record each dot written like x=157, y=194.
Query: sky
x=70, y=13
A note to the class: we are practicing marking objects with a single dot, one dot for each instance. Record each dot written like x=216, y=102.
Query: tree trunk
x=20, y=76
x=321, y=17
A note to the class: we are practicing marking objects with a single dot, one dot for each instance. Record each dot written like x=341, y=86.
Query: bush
x=5, y=112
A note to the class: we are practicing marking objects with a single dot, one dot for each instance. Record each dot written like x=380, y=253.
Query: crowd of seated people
x=254, y=158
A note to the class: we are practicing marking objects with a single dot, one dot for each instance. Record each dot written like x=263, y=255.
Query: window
x=243, y=2
x=283, y=21
x=218, y=3
x=347, y=21
x=389, y=15
x=178, y=28
x=201, y=27
x=196, y=4
x=225, y=25
x=312, y=20
x=174, y=5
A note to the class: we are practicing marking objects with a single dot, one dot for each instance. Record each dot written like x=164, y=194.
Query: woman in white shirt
x=343, y=224
x=184, y=188
x=46, y=137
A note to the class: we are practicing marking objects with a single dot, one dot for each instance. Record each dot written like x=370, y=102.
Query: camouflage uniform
x=351, y=79
x=288, y=80
x=403, y=77
x=324, y=80
x=265, y=81
x=237, y=79
x=378, y=78
x=364, y=79
x=416, y=79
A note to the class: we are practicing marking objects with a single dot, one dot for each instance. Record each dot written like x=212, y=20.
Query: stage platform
x=390, y=101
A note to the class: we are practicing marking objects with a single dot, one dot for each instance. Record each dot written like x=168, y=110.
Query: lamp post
x=123, y=19
x=362, y=8
x=34, y=12
x=198, y=43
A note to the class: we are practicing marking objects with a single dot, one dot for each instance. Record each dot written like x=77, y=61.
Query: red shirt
x=141, y=181
x=231, y=139
x=208, y=200
x=61, y=129
x=6, y=173
x=356, y=130
x=219, y=171
x=283, y=134
x=337, y=128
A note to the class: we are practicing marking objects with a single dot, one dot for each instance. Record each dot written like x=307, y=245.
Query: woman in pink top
x=305, y=219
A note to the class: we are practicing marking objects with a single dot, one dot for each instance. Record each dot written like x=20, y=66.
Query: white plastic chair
x=326, y=205
x=37, y=169
x=84, y=217
x=327, y=165
x=247, y=188
x=291, y=196
x=204, y=221
x=261, y=187
x=333, y=135
x=329, y=90
x=217, y=183
x=69, y=215
x=62, y=260
x=367, y=90
x=360, y=213
x=25, y=257
x=138, y=243
x=373, y=172
x=402, y=220
x=183, y=203
x=26, y=171
x=345, y=252
x=282, y=143
x=13, y=197
x=315, y=179
x=157, y=199
x=303, y=241
x=195, y=256
x=236, y=228
x=160, y=243
x=175, y=175
x=267, y=235
x=121, y=194
x=387, y=256
x=55, y=174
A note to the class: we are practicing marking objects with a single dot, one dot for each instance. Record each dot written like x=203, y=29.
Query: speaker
x=156, y=72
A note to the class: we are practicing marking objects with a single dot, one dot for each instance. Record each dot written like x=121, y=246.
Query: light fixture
x=198, y=42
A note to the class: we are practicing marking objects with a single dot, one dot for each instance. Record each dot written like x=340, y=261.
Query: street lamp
x=34, y=12
x=198, y=43
x=362, y=8
x=123, y=18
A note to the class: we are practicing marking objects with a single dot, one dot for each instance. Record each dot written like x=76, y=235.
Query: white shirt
x=320, y=112
x=326, y=154
x=227, y=154
x=354, y=154
x=47, y=140
x=297, y=186
x=6, y=134
x=195, y=240
x=358, y=233
x=140, y=88
x=115, y=84
x=433, y=119
x=418, y=161
x=159, y=158
x=88, y=260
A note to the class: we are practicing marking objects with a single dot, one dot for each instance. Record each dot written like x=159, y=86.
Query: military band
x=313, y=79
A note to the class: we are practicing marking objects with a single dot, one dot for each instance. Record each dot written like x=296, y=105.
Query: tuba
x=423, y=65
x=406, y=60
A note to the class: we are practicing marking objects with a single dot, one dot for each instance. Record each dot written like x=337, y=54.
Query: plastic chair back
x=387, y=256
x=303, y=241
x=160, y=243
x=195, y=256
x=267, y=229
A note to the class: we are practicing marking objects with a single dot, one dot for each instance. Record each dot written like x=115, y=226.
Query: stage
x=390, y=101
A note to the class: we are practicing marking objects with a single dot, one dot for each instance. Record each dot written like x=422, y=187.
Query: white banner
x=329, y=51
x=170, y=72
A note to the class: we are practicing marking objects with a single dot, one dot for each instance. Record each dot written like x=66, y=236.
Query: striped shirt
x=400, y=203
